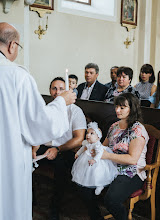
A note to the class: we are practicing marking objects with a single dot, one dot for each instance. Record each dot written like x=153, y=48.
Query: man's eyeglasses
x=19, y=45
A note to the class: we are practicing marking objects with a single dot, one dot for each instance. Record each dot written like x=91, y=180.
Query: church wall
x=156, y=53
x=73, y=41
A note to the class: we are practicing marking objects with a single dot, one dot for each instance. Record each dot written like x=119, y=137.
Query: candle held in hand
x=66, y=80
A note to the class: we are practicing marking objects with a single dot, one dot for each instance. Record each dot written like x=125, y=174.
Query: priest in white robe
x=25, y=121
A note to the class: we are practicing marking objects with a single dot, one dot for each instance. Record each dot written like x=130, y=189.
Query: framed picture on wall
x=129, y=9
x=87, y=2
x=44, y=4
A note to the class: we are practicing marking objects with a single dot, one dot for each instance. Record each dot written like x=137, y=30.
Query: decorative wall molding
x=7, y=5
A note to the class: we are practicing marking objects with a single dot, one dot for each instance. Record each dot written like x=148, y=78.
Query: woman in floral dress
x=127, y=138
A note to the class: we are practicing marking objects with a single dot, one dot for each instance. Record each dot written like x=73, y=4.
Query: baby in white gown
x=93, y=172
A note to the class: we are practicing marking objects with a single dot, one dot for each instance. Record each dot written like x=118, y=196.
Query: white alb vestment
x=25, y=121
x=100, y=173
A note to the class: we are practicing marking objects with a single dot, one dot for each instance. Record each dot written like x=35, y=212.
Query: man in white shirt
x=91, y=89
x=25, y=121
x=62, y=150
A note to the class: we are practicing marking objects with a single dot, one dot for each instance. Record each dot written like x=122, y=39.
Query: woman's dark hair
x=147, y=68
x=126, y=70
x=134, y=104
x=158, y=91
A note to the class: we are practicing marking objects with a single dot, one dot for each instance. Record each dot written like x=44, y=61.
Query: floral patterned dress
x=113, y=92
x=119, y=141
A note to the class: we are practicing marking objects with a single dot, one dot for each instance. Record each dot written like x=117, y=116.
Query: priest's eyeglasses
x=19, y=45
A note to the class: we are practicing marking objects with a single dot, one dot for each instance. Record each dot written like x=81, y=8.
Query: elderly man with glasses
x=25, y=121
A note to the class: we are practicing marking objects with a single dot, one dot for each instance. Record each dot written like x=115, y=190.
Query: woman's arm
x=105, y=142
x=153, y=90
x=152, y=105
x=135, y=149
x=81, y=150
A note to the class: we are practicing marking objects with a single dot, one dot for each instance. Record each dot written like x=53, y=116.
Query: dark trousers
x=61, y=165
x=117, y=193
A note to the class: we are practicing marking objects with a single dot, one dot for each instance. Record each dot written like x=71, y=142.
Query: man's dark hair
x=8, y=35
x=92, y=65
x=134, y=104
x=114, y=67
x=72, y=76
x=147, y=68
x=55, y=79
x=126, y=70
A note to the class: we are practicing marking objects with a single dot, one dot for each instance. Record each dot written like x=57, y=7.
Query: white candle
x=66, y=80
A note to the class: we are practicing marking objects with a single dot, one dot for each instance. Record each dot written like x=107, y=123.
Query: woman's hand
x=105, y=155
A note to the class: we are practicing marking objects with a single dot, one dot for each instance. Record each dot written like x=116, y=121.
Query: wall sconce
x=129, y=40
x=41, y=31
x=7, y=5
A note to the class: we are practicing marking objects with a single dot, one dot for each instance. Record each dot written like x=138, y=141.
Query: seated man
x=91, y=89
x=61, y=151
x=113, y=75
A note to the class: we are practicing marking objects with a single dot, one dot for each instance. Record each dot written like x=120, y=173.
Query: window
x=99, y=9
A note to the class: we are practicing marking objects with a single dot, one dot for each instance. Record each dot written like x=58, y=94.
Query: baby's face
x=91, y=136
x=72, y=83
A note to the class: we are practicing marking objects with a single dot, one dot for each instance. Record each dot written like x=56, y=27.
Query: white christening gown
x=100, y=173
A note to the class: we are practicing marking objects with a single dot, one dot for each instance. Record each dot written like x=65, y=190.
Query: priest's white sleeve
x=40, y=123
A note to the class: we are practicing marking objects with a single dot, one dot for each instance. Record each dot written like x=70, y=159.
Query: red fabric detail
x=150, y=149
x=136, y=193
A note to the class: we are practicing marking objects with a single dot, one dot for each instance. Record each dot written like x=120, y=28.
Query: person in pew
x=73, y=80
x=91, y=89
x=146, y=85
x=25, y=121
x=127, y=138
x=61, y=151
x=124, y=78
x=92, y=172
x=113, y=75
x=155, y=98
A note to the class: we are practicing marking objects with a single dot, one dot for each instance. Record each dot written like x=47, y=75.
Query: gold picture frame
x=129, y=10
x=42, y=7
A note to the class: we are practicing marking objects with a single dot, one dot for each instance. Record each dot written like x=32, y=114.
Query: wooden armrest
x=152, y=166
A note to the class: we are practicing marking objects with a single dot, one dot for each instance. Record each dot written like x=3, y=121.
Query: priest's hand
x=69, y=97
x=51, y=153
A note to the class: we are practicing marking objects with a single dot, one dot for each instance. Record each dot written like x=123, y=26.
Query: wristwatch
x=58, y=150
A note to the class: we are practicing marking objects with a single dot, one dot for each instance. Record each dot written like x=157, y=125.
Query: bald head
x=7, y=33
x=9, y=38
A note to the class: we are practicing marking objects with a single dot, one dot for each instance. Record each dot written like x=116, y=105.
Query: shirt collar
x=85, y=87
x=3, y=54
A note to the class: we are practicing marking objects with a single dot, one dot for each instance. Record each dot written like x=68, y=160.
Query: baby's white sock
x=98, y=190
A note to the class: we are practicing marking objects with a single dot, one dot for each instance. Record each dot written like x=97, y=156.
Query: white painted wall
x=73, y=41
